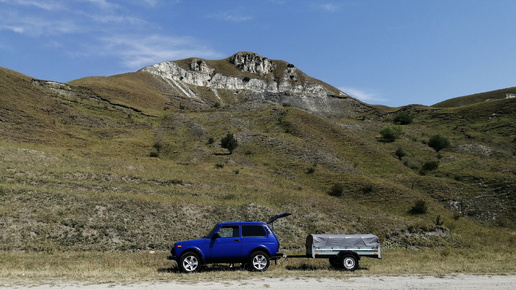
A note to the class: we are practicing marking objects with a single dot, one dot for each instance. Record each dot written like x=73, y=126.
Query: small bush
x=336, y=190
x=390, y=134
x=438, y=142
x=429, y=166
x=400, y=153
x=229, y=142
x=419, y=207
x=403, y=119
x=438, y=221
x=367, y=189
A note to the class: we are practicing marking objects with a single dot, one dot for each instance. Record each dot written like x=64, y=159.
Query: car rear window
x=253, y=231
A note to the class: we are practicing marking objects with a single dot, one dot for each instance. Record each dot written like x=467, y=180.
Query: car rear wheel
x=259, y=261
x=190, y=262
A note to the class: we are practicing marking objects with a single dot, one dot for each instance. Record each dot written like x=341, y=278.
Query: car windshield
x=211, y=232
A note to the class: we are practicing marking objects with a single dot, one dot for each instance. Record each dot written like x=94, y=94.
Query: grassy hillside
x=104, y=164
x=477, y=98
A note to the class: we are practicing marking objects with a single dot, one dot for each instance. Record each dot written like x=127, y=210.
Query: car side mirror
x=215, y=236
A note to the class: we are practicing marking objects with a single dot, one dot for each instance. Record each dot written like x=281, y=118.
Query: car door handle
x=237, y=240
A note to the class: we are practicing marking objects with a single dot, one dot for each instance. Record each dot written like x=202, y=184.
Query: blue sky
x=390, y=52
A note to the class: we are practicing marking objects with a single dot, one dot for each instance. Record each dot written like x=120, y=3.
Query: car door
x=254, y=236
x=225, y=245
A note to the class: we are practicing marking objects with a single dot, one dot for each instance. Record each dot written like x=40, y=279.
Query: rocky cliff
x=253, y=77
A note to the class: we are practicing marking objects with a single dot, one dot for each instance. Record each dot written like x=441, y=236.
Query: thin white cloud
x=329, y=7
x=37, y=26
x=362, y=95
x=137, y=51
x=102, y=4
x=45, y=5
x=101, y=28
x=232, y=16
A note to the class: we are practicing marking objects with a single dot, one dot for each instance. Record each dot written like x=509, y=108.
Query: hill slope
x=130, y=162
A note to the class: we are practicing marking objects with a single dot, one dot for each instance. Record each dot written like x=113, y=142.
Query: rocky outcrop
x=260, y=78
x=253, y=63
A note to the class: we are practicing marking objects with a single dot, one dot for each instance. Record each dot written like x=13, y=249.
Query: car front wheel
x=259, y=261
x=190, y=262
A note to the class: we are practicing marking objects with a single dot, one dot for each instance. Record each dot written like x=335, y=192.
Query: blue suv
x=250, y=243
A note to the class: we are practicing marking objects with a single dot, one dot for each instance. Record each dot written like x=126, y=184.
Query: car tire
x=190, y=262
x=259, y=261
x=348, y=262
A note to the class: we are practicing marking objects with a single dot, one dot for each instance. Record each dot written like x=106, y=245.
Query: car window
x=229, y=232
x=253, y=231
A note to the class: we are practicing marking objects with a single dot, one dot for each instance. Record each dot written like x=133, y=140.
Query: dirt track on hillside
x=365, y=282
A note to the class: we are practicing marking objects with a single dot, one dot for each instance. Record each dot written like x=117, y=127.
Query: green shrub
x=229, y=142
x=336, y=190
x=429, y=166
x=400, y=153
x=438, y=142
x=419, y=207
x=403, y=119
x=390, y=134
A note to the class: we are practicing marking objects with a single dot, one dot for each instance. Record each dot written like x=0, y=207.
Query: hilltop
x=134, y=161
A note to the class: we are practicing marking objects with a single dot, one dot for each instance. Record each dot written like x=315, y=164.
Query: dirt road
x=365, y=282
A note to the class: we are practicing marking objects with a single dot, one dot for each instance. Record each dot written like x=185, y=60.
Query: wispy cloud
x=36, y=26
x=137, y=51
x=45, y=5
x=101, y=28
x=362, y=95
x=102, y=4
x=329, y=7
x=232, y=16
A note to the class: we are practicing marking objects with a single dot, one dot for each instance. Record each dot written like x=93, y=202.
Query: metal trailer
x=343, y=251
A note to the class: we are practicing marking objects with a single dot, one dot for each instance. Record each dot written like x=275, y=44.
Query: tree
x=438, y=142
x=229, y=142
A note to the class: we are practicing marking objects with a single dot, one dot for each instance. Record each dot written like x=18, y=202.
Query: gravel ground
x=405, y=282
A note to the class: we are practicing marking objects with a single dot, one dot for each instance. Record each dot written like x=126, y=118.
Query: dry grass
x=136, y=267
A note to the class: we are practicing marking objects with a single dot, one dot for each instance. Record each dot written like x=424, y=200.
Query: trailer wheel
x=349, y=262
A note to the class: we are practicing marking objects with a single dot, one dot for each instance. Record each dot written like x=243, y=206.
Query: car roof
x=241, y=223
